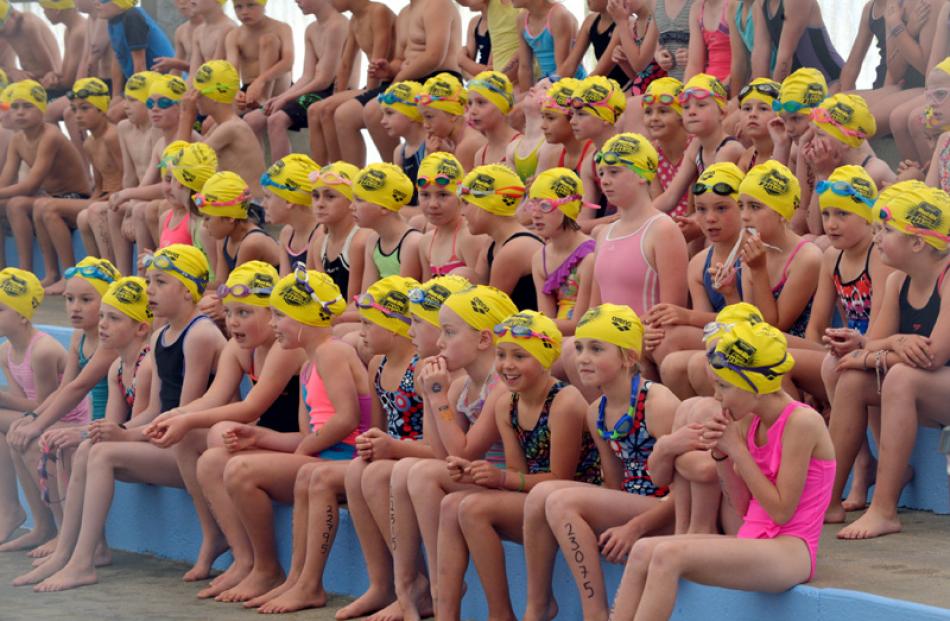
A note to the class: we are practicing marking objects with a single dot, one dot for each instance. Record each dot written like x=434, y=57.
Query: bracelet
x=31, y=414
x=717, y=459
x=521, y=482
x=865, y=363
x=122, y=426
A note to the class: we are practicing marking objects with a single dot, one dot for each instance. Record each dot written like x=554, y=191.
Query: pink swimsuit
x=718, y=46
x=623, y=273
x=22, y=374
x=321, y=407
x=816, y=495
x=181, y=234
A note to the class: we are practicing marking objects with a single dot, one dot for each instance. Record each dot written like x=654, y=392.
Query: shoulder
x=47, y=349
x=374, y=364
x=829, y=256
x=804, y=422
x=570, y=398
x=204, y=334
x=661, y=397
x=810, y=255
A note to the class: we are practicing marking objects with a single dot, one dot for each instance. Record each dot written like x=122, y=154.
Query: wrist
x=31, y=414
x=718, y=456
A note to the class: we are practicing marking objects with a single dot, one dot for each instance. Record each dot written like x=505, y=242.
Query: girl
x=476, y=55
x=776, y=33
x=755, y=115
x=555, y=201
x=755, y=433
x=598, y=30
x=938, y=95
x=190, y=168
x=124, y=326
x=293, y=209
x=556, y=28
x=637, y=45
x=492, y=194
x=672, y=45
x=625, y=424
x=907, y=343
x=522, y=154
x=424, y=304
x=663, y=119
x=739, y=16
x=442, y=105
x=490, y=98
x=448, y=247
x=710, y=48
x=181, y=219
x=801, y=92
x=402, y=119
x=335, y=392
x=542, y=429
x=563, y=148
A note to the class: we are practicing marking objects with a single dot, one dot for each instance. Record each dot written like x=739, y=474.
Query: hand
x=255, y=93
x=487, y=475
x=63, y=437
x=820, y=157
x=274, y=104
x=240, y=438
x=664, y=59
x=618, y=10
x=19, y=422
x=681, y=56
x=116, y=199
x=688, y=227
x=50, y=79
x=619, y=56
x=104, y=431
x=164, y=64
x=434, y=377
x=374, y=444
x=616, y=542
x=917, y=18
x=667, y=315
x=893, y=14
x=722, y=433
x=458, y=469
x=914, y=350
x=436, y=143
x=167, y=432
x=752, y=252
x=909, y=170
x=842, y=341
x=652, y=337
x=211, y=306
x=687, y=438
x=725, y=280
x=778, y=132
x=189, y=103
x=23, y=435
x=141, y=259
x=854, y=361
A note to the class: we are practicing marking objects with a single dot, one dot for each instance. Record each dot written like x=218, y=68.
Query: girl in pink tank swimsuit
x=776, y=463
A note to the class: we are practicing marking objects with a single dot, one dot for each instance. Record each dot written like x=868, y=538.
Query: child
x=262, y=51
x=626, y=424
x=187, y=170
x=183, y=40
x=563, y=148
x=938, y=83
x=555, y=202
x=522, y=153
x=53, y=218
x=710, y=49
x=124, y=327
x=209, y=35
x=442, y=105
x=638, y=53
x=379, y=192
x=492, y=194
x=663, y=118
x=542, y=429
x=336, y=390
x=756, y=101
x=907, y=343
x=767, y=554
x=598, y=31
x=290, y=192
x=477, y=53
x=58, y=82
x=812, y=49
x=447, y=247
x=44, y=149
x=402, y=119
x=180, y=221
x=32, y=42
x=550, y=47
x=490, y=98
x=425, y=301
x=137, y=40
x=801, y=92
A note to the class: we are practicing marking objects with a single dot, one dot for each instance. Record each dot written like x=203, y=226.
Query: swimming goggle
x=85, y=93
x=548, y=205
x=424, y=99
x=769, y=90
x=720, y=188
x=696, y=93
x=163, y=103
x=513, y=191
x=488, y=86
x=439, y=180
x=366, y=301
x=289, y=185
x=88, y=271
x=936, y=96
x=242, y=291
x=392, y=98
x=579, y=103
x=302, y=280
x=718, y=360
x=624, y=426
x=821, y=115
x=164, y=263
x=885, y=214
x=792, y=107
x=665, y=98
x=842, y=188
x=615, y=159
x=202, y=201
x=520, y=332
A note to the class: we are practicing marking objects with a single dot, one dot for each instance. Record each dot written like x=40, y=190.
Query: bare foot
x=835, y=513
x=228, y=580
x=277, y=591
x=871, y=524
x=44, y=550
x=547, y=615
x=51, y=279
x=367, y=603
x=35, y=537
x=102, y=557
x=299, y=597
x=66, y=579
x=417, y=604
x=9, y=524
x=46, y=568
x=254, y=584
x=207, y=555
x=57, y=288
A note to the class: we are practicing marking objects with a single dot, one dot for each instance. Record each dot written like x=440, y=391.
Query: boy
x=207, y=42
x=262, y=49
x=136, y=39
x=44, y=149
x=323, y=39
x=64, y=12
x=32, y=42
x=183, y=40
x=53, y=217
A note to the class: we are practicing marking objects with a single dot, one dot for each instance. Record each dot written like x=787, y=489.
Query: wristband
x=31, y=414
x=122, y=426
x=521, y=482
x=717, y=459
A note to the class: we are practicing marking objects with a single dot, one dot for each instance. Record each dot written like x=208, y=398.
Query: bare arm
x=696, y=55
x=762, y=43
x=338, y=379
x=862, y=43
x=437, y=23
x=796, y=20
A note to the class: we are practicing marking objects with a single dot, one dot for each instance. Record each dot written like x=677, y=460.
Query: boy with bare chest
x=262, y=49
x=209, y=36
x=33, y=42
x=183, y=41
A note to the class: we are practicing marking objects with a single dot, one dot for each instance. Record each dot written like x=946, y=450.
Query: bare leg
x=12, y=514
x=633, y=116
x=698, y=372
x=323, y=112
x=278, y=124
x=58, y=216
x=855, y=392
x=45, y=242
x=213, y=544
x=412, y=591
x=258, y=122
x=900, y=114
x=20, y=217
x=348, y=123
x=44, y=526
x=121, y=245
x=85, y=227
x=674, y=371
x=453, y=556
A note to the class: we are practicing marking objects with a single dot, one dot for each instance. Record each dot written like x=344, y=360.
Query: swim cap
x=339, y=176
x=558, y=98
x=124, y=4
x=556, y=184
x=21, y=291
x=740, y=312
x=664, y=92
x=915, y=208
x=535, y=333
x=481, y=307
x=250, y=283
x=129, y=296
x=224, y=195
x=426, y=299
x=309, y=297
x=186, y=264
x=631, y=151
x=218, y=80
x=601, y=97
x=386, y=303
x=442, y=170
x=846, y=118
x=4, y=11
x=194, y=165
x=138, y=85
x=401, y=97
x=944, y=65
x=802, y=90
x=289, y=178
x=762, y=89
x=775, y=186
x=58, y=5
x=170, y=86
x=172, y=152
x=100, y=273
x=752, y=357
x=612, y=323
x=29, y=91
x=703, y=85
x=719, y=173
x=857, y=196
x=385, y=185
x=495, y=87
x=495, y=188
x=443, y=92
x=4, y=80
x=92, y=90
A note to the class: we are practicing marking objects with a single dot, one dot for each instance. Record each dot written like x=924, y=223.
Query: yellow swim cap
x=224, y=195
x=100, y=273
x=915, y=208
x=289, y=178
x=443, y=92
x=720, y=173
x=612, y=323
x=740, y=312
x=195, y=165
x=601, y=97
x=339, y=176
x=29, y=91
x=309, y=297
x=21, y=291
x=4, y=11
x=703, y=85
x=93, y=90
x=385, y=185
x=125, y=4
x=481, y=307
x=775, y=186
x=631, y=151
x=171, y=153
x=249, y=283
x=4, y=80
x=664, y=92
x=386, y=303
x=801, y=91
x=58, y=5
x=440, y=170
x=495, y=188
x=138, y=85
x=129, y=296
x=752, y=357
x=401, y=97
x=848, y=188
x=559, y=96
x=218, y=80
x=170, y=86
x=846, y=118
x=426, y=299
x=944, y=65
x=495, y=87
x=762, y=89
x=186, y=264
x=535, y=333
x=560, y=187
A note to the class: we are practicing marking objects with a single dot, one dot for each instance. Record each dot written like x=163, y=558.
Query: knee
x=278, y=121
x=473, y=512
x=211, y=465
x=349, y=114
x=535, y=503
x=421, y=479
x=902, y=379
x=640, y=555
x=667, y=557
x=237, y=475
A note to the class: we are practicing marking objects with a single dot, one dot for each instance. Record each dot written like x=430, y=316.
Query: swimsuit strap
x=791, y=257
x=344, y=251
x=288, y=247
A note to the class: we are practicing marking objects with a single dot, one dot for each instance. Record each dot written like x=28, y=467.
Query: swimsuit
x=920, y=320
x=170, y=365
x=747, y=32
x=718, y=50
x=321, y=410
x=562, y=283
x=523, y=294
x=22, y=374
x=701, y=164
x=482, y=43
x=665, y=172
x=403, y=406
x=296, y=109
x=600, y=41
x=542, y=47
x=389, y=263
x=674, y=32
x=716, y=300
x=299, y=258
x=100, y=392
x=281, y=415
x=855, y=295
x=526, y=166
x=798, y=327
x=128, y=392
x=471, y=411
x=943, y=170
x=503, y=30
x=623, y=273
x=232, y=260
x=814, y=48
x=454, y=262
x=339, y=268
x=179, y=234
x=410, y=166
x=588, y=145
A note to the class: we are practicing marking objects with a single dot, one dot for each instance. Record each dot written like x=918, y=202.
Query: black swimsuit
x=232, y=261
x=170, y=364
x=919, y=320
x=524, y=294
